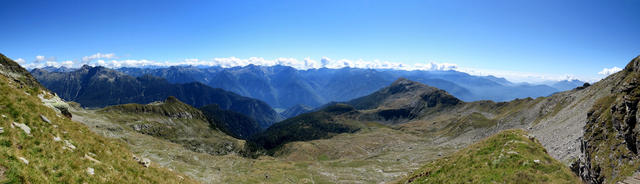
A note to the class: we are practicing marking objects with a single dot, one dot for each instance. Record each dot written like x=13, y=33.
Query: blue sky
x=505, y=38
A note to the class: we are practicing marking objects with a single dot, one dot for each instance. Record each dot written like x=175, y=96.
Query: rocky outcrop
x=142, y=161
x=19, y=75
x=612, y=135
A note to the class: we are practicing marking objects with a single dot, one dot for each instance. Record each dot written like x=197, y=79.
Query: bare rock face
x=612, y=135
x=634, y=65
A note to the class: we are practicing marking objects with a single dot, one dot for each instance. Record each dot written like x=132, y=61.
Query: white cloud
x=52, y=63
x=39, y=59
x=609, y=71
x=20, y=61
x=68, y=64
x=98, y=56
x=110, y=60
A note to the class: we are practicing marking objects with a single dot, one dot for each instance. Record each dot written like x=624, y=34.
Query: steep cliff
x=612, y=135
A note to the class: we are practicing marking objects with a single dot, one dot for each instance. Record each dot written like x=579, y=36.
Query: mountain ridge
x=315, y=87
x=177, y=122
x=100, y=86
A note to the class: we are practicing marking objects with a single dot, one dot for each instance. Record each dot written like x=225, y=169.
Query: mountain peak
x=403, y=93
x=402, y=81
x=172, y=99
x=403, y=85
x=85, y=67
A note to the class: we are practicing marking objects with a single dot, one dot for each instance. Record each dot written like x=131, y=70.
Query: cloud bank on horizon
x=609, y=71
x=110, y=60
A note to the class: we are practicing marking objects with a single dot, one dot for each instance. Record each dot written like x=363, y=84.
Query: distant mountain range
x=100, y=87
x=284, y=87
x=590, y=130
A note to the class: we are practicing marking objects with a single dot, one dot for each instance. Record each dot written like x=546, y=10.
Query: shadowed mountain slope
x=234, y=124
x=310, y=126
x=100, y=87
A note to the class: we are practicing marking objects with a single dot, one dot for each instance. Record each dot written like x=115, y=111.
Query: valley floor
x=373, y=155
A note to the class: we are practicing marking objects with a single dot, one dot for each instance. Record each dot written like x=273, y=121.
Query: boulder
x=146, y=162
x=68, y=145
x=90, y=171
x=143, y=161
x=24, y=160
x=45, y=119
x=24, y=127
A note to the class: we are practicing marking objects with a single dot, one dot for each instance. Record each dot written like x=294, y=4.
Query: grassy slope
x=177, y=122
x=48, y=161
x=507, y=157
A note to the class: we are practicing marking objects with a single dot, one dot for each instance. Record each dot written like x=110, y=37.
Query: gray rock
x=143, y=161
x=45, y=119
x=146, y=162
x=68, y=145
x=90, y=171
x=24, y=127
x=1, y=130
x=24, y=160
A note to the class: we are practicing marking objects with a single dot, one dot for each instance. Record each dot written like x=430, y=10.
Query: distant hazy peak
x=403, y=85
x=402, y=81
